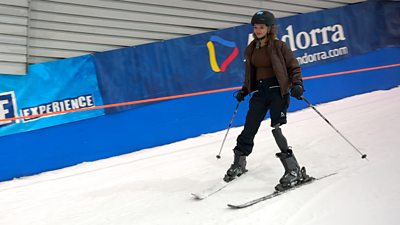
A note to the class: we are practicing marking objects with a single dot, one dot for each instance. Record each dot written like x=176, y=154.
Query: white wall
x=66, y=28
x=13, y=36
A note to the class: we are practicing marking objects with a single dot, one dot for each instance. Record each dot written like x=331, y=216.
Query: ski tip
x=197, y=196
x=233, y=206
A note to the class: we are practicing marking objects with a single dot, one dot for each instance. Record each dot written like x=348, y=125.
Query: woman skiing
x=271, y=70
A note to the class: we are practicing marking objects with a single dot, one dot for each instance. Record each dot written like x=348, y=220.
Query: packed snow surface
x=154, y=186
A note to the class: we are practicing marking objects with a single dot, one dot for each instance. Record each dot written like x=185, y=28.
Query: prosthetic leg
x=293, y=173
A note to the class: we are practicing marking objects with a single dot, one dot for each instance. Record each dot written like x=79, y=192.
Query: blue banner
x=196, y=63
x=184, y=65
x=52, y=87
x=214, y=60
x=333, y=34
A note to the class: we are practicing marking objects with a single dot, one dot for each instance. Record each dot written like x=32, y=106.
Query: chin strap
x=258, y=44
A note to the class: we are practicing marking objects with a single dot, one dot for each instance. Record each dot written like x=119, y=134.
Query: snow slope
x=154, y=186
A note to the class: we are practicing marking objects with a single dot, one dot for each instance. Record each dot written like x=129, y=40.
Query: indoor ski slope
x=153, y=186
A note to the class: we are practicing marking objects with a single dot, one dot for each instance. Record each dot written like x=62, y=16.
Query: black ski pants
x=268, y=97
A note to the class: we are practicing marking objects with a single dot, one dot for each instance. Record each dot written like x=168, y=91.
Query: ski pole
x=363, y=156
x=229, y=126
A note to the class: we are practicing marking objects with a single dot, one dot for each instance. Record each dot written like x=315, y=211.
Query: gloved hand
x=297, y=91
x=241, y=94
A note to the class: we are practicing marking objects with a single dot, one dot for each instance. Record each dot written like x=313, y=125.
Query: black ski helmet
x=263, y=17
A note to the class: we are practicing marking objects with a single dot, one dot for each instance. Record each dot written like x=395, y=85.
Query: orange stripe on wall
x=123, y=104
x=351, y=71
x=190, y=94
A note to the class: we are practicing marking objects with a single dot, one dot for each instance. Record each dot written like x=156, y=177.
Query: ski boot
x=294, y=175
x=237, y=168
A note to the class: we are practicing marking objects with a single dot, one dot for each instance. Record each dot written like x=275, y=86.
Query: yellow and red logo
x=213, y=59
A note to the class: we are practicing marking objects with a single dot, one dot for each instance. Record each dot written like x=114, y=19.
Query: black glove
x=241, y=94
x=297, y=91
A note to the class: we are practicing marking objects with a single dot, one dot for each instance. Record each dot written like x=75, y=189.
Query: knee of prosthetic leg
x=284, y=155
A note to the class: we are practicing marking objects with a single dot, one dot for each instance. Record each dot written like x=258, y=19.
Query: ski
x=213, y=189
x=275, y=194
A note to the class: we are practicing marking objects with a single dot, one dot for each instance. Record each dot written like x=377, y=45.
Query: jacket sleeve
x=247, y=76
x=292, y=65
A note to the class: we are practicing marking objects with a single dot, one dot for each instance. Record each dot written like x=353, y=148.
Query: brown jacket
x=284, y=65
